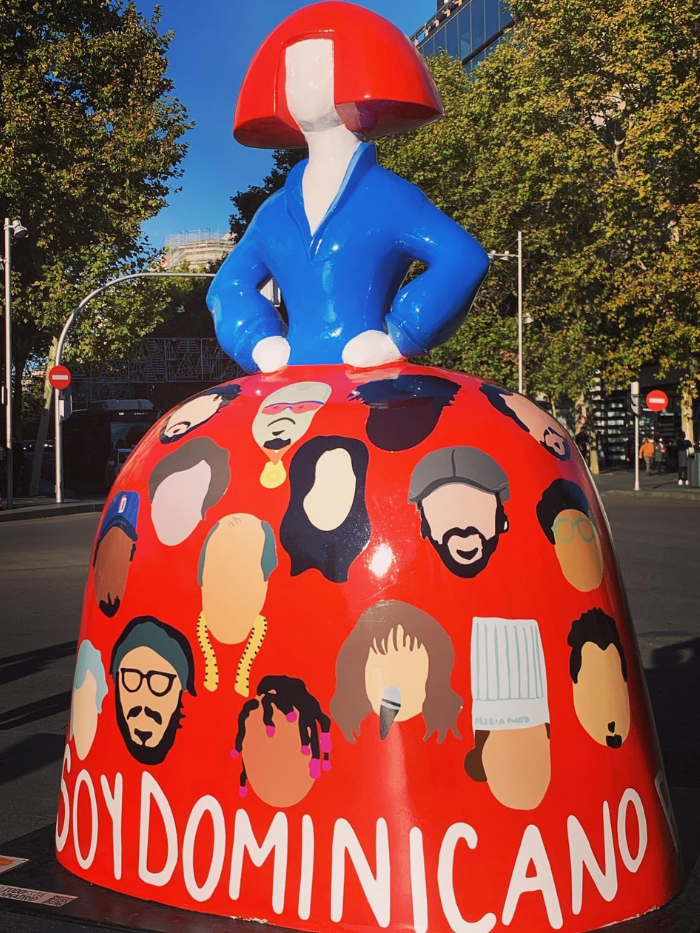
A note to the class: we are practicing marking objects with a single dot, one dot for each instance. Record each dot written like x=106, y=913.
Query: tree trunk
x=43, y=424
x=593, y=464
x=687, y=413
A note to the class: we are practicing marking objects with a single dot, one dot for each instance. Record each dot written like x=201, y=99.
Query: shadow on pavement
x=674, y=687
x=17, y=666
x=30, y=754
x=33, y=712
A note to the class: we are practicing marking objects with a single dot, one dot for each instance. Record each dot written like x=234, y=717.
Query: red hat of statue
x=381, y=83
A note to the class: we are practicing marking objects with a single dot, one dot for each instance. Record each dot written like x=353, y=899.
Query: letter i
x=307, y=867
x=419, y=894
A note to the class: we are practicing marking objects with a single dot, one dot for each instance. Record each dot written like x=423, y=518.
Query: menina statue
x=355, y=654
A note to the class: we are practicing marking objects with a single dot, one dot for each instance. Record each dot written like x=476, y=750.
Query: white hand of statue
x=271, y=354
x=370, y=348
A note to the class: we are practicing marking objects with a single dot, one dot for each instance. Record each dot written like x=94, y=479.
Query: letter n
x=377, y=888
x=581, y=854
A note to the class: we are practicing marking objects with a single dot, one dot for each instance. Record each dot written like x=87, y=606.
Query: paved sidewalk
x=44, y=507
x=664, y=485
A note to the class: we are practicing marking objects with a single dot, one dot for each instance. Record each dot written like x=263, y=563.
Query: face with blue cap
x=115, y=550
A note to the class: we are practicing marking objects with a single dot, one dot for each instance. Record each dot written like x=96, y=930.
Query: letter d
x=151, y=790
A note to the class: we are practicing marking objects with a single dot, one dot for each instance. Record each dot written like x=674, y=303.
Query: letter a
x=532, y=850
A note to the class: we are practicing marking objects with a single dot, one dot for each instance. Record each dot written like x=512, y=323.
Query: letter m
x=277, y=839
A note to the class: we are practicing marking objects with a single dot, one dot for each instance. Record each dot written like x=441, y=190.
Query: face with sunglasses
x=282, y=419
x=148, y=692
x=577, y=546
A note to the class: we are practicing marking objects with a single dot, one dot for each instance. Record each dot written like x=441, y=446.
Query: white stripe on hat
x=509, y=680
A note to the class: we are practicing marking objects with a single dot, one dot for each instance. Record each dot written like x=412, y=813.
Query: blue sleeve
x=242, y=316
x=429, y=309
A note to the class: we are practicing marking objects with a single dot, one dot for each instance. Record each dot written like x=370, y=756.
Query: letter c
x=446, y=881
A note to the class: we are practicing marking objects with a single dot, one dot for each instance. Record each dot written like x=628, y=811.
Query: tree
x=582, y=130
x=90, y=140
x=247, y=201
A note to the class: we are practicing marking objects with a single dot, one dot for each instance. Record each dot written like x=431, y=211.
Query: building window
x=478, y=30
x=452, y=30
x=477, y=26
x=465, y=34
x=441, y=40
x=492, y=24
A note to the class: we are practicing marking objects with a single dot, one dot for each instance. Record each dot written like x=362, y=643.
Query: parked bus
x=91, y=435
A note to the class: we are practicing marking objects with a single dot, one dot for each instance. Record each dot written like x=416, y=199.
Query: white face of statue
x=309, y=84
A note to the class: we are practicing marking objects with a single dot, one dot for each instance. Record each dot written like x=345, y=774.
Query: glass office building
x=465, y=29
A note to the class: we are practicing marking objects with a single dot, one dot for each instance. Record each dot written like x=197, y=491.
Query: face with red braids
x=283, y=741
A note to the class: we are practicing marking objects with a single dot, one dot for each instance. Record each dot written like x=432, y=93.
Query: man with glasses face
x=566, y=518
x=282, y=419
x=151, y=666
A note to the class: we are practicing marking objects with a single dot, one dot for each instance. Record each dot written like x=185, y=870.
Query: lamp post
x=636, y=411
x=506, y=257
x=58, y=419
x=13, y=230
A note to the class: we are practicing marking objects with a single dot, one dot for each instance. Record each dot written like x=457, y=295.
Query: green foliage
x=246, y=202
x=90, y=140
x=582, y=130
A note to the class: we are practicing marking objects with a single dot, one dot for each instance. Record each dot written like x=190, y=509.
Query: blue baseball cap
x=123, y=512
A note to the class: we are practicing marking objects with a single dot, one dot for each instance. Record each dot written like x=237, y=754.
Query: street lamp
x=506, y=257
x=13, y=230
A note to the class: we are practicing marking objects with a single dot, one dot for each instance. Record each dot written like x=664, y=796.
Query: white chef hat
x=509, y=679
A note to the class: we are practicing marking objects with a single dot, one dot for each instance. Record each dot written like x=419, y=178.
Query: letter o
x=211, y=806
x=631, y=796
x=84, y=778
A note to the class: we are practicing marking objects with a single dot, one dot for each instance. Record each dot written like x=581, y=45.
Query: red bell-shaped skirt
x=355, y=655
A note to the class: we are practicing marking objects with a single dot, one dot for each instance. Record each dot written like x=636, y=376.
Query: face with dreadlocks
x=283, y=740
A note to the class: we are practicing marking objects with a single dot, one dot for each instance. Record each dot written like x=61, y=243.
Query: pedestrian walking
x=685, y=450
x=659, y=454
x=646, y=451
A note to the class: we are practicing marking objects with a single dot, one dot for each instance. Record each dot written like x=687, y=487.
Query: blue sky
x=213, y=44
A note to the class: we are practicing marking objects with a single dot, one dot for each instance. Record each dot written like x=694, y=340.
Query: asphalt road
x=43, y=565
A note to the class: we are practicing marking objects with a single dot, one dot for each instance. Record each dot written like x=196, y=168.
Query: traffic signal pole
x=636, y=409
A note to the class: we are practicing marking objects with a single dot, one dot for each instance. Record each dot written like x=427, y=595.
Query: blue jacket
x=347, y=277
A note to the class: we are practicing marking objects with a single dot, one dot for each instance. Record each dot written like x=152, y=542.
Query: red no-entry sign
x=657, y=400
x=59, y=377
